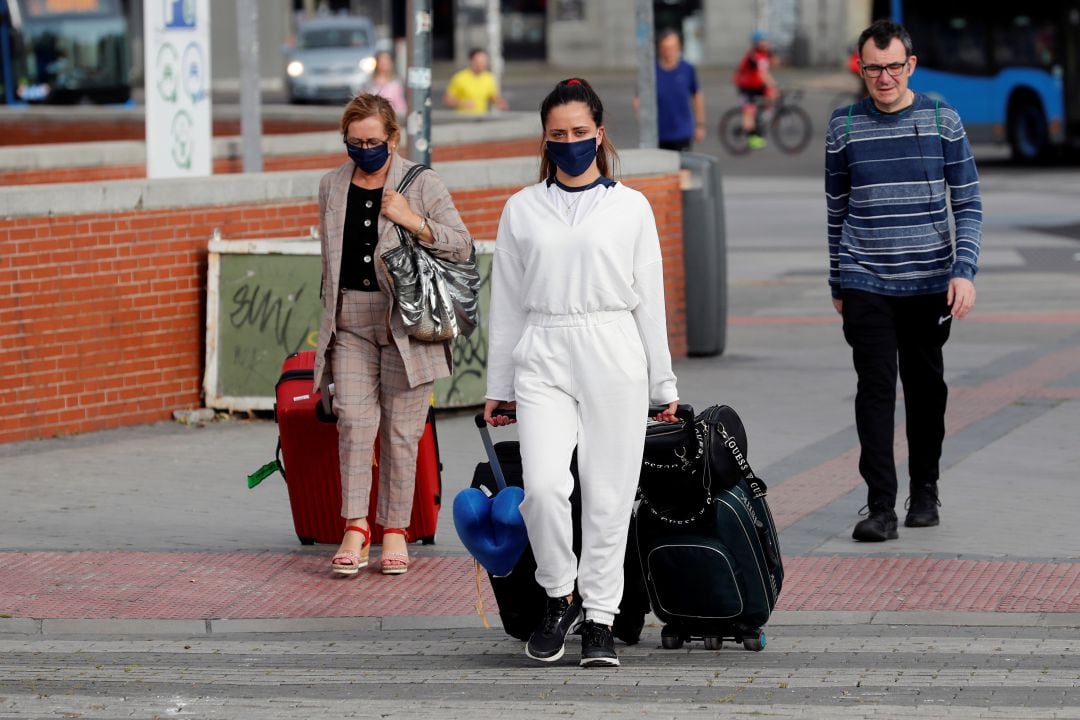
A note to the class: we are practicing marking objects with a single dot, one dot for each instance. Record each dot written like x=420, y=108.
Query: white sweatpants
x=581, y=380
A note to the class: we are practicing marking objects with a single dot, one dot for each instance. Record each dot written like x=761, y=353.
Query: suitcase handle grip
x=683, y=412
x=479, y=419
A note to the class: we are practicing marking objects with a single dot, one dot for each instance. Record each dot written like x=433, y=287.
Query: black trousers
x=680, y=145
x=888, y=333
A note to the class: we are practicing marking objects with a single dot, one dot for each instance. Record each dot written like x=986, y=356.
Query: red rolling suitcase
x=308, y=444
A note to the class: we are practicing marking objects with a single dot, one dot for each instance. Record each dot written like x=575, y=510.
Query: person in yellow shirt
x=474, y=89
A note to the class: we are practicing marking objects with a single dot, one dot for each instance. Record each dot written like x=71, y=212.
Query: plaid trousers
x=372, y=396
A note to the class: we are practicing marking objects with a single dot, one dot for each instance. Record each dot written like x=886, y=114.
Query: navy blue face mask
x=573, y=158
x=369, y=159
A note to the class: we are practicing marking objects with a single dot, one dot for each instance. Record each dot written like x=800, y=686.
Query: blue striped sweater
x=886, y=177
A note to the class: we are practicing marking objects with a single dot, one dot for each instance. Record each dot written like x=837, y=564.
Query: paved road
x=808, y=672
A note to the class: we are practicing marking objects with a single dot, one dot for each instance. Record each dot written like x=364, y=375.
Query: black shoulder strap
x=410, y=175
x=403, y=187
x=757, y=486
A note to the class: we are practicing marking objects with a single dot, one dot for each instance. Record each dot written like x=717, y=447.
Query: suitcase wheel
x=306, y=541
x=712, y=642
x=670, y=639
x=756, y=644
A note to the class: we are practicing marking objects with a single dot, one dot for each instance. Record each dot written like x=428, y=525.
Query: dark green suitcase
x=710, y=553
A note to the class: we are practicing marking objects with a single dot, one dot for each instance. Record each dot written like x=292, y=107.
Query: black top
x=361, y=235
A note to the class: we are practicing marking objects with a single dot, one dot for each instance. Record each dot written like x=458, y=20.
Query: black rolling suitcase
x=520, y=598
x=708, y=546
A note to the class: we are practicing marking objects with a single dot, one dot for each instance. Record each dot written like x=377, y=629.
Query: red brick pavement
x=922, y=584
x=106, y=585
x=96, y=585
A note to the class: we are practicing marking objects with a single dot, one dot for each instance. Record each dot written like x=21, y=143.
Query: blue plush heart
x=491, y=528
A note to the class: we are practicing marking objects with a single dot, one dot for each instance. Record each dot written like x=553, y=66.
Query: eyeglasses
x=365, y=144
x=873, y=71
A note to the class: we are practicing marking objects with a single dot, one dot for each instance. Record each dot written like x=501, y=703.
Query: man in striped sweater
x=896, y=275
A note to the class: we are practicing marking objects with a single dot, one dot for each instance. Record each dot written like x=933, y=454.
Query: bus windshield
x=33, y=9
x=69, y=50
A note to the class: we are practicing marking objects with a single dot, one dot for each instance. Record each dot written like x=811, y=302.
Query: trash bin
x=704, y=255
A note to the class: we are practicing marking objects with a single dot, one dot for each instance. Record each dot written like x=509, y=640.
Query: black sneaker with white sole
x=597, y=646
x=548, y=640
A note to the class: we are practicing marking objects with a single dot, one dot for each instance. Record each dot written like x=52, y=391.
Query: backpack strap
x=847, y=125
x=937, y=122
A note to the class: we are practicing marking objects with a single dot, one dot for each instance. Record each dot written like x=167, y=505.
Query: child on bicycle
x=755, y=85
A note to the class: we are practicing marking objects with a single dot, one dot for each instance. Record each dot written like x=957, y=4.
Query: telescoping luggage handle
x=489, y=446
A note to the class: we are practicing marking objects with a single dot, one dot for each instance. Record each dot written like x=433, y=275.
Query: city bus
x=1012, y=70
x=63, y=51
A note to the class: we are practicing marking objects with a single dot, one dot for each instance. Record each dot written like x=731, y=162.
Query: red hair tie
x=574, y=81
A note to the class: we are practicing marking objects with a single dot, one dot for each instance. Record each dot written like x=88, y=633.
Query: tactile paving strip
x=99, y=585
x=923, y=584
x=96, y=585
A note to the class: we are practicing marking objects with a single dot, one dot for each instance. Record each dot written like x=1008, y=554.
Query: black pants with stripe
x=887, y=334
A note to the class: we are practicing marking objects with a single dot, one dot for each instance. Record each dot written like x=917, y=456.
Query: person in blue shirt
x=679, y=100
x=896, y=162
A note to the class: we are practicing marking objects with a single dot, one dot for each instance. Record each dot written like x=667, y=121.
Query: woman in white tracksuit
x=578, y=344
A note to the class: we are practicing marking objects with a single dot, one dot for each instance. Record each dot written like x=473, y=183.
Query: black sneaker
x=878, y=526
x=546, y=644
x=922, y=506
x=597, y=646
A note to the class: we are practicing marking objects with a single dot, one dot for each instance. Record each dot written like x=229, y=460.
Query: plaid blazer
x=428, y=196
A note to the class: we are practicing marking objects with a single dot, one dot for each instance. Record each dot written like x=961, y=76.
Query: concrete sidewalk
x=151, y=533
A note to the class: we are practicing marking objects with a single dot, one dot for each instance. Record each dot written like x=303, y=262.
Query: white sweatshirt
x=610, y=260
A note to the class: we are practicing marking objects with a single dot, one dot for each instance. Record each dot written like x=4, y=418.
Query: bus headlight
x=295, y=68
x=368, y=65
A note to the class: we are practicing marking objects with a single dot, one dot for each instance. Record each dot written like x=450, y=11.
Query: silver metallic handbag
x=437, y=298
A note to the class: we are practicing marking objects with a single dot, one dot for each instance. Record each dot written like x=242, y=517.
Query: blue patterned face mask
x=369, y=159
x=573, y=158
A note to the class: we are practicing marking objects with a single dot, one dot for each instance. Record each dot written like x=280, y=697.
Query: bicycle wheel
x=732, y=135
x=790, y=128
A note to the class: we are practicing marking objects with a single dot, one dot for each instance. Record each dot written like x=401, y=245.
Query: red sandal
x=395, y=563
x=349, y=563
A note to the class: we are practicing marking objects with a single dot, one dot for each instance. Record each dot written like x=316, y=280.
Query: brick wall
x=45, y=130
x=271, y=163
x=103, y=315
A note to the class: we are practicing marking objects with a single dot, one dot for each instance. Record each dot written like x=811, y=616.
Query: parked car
x=331, y=60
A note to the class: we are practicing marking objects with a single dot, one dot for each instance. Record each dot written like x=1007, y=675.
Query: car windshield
x=324, y=37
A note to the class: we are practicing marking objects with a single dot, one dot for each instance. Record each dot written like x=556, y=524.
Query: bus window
x=952, y=38
x=72, y=49
x=1023, y=38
